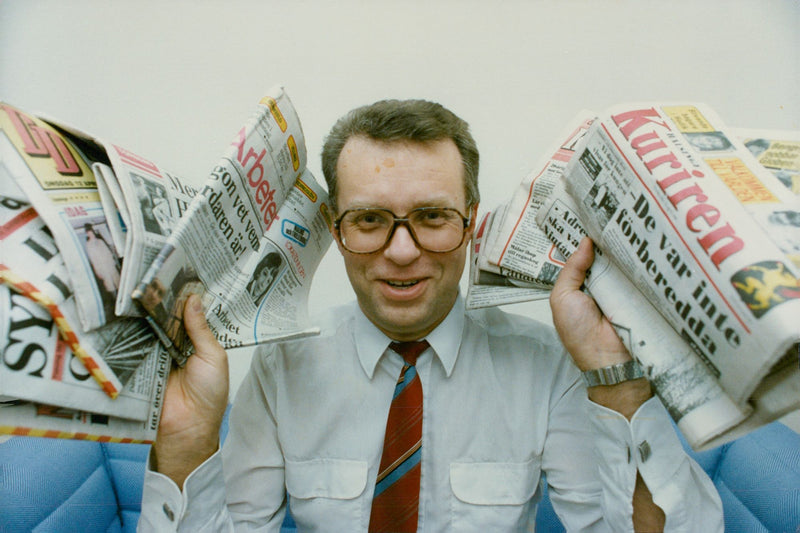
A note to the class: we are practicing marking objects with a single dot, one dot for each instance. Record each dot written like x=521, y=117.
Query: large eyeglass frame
x=405, y=221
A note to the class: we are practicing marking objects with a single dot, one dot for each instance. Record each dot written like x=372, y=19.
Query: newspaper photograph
x=249, y=242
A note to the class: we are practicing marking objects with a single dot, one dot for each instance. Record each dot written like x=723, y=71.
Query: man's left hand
x=588, y=335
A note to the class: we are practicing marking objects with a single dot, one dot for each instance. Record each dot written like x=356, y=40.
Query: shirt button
x=168, y=512
x=644, y=451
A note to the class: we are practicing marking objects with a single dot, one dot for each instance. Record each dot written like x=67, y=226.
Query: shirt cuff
x=647, y=445
x=200, y=507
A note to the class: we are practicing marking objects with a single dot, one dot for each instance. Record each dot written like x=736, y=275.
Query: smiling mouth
x=402, y=284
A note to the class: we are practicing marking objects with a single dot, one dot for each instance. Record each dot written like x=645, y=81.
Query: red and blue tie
x=395, y=505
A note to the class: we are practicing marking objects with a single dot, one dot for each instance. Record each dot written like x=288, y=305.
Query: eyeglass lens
x=434, y=229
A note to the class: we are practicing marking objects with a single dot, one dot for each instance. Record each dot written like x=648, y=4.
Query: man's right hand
x=194, y=403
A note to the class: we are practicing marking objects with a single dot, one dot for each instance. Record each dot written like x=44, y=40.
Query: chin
x=407, y=324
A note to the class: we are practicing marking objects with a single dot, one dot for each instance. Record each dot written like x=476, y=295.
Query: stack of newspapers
x=697, y=237
x=101, y=248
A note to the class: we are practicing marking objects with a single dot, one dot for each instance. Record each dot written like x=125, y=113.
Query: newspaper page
x=512, y=260
x=777, y=150
x=57, y=179
x=116, y=211
x=686, y=386
x=487, y=287
x=153, y=201
x=685, y=213
x=142, y=202
x=39, y=366
x=32, y=265
x=117, y=349
x=41, y=418
x=249, y=242
x=521, y=250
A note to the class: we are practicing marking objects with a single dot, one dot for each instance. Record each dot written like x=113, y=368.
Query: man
x=501, y=401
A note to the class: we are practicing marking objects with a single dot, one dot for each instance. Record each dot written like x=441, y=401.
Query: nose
x=402, y=249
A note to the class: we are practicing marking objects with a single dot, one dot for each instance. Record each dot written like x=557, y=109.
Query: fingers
x=202, y=337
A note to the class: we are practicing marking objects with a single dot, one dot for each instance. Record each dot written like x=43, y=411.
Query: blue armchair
x=58, y=485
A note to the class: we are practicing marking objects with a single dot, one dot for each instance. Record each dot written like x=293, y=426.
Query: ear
x=473, y=218
x=473, y=222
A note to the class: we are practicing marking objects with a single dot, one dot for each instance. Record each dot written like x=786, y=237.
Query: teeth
x=402, y=283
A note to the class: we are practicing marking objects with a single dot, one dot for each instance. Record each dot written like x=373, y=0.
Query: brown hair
x=403, y=120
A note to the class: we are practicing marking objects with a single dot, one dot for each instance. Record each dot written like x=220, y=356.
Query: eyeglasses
x=435, y=229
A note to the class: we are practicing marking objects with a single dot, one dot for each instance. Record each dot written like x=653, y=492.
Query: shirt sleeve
x=592, y=455
x=241, y=486
x=200, y=507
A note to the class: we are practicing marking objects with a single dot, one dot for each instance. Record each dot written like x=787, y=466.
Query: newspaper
x=153, y=200
x=777, y=151
x=40, y=367
x=142, y=202
x=249, y=242
x=38, y=361
x=687, y=387
x=74, y=409
x=487, y=287
x=56, y=176
x=94, y=234
x=33, y=266
x=526, y=254
x=512, y=259
x=689, y=219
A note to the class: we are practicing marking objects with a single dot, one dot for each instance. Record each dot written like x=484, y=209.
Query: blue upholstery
x=61, y=485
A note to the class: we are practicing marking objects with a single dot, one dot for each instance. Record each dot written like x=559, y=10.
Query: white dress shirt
x=503, y=405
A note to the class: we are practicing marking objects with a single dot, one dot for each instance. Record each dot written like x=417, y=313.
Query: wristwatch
x=611, y=375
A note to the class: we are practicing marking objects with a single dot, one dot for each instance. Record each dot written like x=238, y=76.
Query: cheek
x=355, y=268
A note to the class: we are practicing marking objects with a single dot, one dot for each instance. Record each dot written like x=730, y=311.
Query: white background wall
x=174, y=81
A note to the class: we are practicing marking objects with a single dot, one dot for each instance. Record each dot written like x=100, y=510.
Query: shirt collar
x=445, y=340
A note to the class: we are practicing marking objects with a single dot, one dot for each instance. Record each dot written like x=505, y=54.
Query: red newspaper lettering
x=256, y=178
x=733, y=245
x=27, y=131
x=41, y=142
x=59, y=152
x=636, y=119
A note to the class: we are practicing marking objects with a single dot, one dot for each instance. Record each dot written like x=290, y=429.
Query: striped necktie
x=395, y=505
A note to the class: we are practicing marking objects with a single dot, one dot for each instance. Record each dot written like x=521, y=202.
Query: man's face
x=404, y=290
x=263, y=279
x=708, y=142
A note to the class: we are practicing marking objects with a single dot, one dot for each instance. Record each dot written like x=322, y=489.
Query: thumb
x=205, y=344
x=574, y=272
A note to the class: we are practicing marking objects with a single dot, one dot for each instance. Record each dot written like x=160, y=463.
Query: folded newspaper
x=249, y=242
x=101, y=247
x=697, y=259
